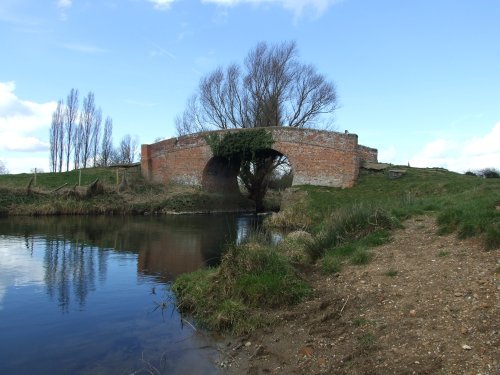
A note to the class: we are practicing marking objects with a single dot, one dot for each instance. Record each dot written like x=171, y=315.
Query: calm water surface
x=91, y=295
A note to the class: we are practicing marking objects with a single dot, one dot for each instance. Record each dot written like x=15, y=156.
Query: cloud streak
x=63, y=6
x=298, y=7
x=83, y=48
x=162, y=4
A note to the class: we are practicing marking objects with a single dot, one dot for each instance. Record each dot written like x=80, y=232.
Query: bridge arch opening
x=273, y=168
x=220, y=175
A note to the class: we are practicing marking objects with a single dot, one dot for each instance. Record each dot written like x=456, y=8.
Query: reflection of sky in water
x=17, y=266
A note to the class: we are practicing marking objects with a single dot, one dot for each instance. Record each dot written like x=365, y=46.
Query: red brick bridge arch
x=317, y=157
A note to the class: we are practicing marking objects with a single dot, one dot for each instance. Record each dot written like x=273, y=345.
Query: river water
x=91, y=295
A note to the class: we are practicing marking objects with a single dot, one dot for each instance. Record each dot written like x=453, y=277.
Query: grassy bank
x=337, y=226
x=68, y=193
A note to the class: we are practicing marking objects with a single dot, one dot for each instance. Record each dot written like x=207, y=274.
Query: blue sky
x=418, y=80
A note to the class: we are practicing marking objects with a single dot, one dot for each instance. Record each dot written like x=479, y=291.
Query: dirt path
x=426, y=304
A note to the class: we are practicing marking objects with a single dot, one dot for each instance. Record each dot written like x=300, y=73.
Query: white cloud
x=63, y=6
x=460, y=156
x=14, y=142
x=161, y=4
x=64, y=3
x=296, y=6
x=24, y=164
x=20, y=118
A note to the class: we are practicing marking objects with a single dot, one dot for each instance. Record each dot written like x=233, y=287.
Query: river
x=91, y=295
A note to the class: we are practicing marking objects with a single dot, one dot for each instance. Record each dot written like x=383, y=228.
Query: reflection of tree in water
x=76, y=250
x=72, y=265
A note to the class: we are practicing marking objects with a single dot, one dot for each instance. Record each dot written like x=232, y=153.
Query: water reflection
x=78, y=294
x=69, y=265
x=77, y=249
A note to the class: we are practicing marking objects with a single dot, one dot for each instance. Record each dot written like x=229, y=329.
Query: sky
x=418, y=80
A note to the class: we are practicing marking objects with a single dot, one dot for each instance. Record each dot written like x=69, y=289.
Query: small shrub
x=443, y=253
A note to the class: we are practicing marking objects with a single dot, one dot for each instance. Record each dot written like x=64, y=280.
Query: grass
x=349, y=224
x=465, y=205
x=231, y=297
x=53, y=180
x=139, y=196
x=391, y=273
x=367, y=341
x=343, y=225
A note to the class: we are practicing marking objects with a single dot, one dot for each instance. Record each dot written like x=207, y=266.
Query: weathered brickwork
x=317, y=157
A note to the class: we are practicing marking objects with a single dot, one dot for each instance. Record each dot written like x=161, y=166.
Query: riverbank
x=107, y=191
x=394, y=274
x=424, y=304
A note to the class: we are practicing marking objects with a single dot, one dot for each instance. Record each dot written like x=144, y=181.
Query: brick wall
x=317, y=157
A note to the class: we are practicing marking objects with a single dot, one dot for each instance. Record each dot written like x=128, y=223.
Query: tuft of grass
x=391, y=273
x=350, y=224
x=492, y=236
x=358, y=322
x=331, y=264
x=367, y=341
x=361, y=256
x=251, y=277
x=443, y=253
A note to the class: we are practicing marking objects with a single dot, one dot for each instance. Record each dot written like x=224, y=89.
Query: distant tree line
x=77, y=135
x=485, y=173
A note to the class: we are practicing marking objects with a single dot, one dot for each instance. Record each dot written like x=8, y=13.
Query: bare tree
x=127, y=149
x=107, y=142
x=77, y=145
x=70, y=119
x=3, y=168
x=96, y=135
x=273, y=88
x=87, y=121
x=57, y=137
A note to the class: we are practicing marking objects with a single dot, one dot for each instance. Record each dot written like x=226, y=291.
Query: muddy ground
x=425, y=304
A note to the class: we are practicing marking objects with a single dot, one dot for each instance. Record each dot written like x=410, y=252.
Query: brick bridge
x=317, y=157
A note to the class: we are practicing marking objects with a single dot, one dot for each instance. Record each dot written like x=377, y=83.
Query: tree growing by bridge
x=272, y=88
